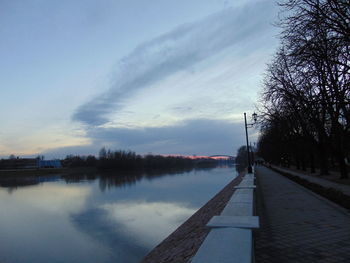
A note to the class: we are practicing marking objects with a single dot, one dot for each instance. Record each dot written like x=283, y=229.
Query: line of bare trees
x=128, y=160
x=305, y=109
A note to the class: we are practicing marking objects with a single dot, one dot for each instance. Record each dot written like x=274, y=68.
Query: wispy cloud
x=177, y=50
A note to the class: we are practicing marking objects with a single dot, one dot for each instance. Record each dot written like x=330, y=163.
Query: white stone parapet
x=230, y=238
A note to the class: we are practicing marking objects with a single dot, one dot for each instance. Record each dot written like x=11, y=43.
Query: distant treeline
x=18, y=163
x=242, y=159
x=129, y=160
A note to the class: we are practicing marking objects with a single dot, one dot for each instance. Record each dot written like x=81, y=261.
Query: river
x=99, y=218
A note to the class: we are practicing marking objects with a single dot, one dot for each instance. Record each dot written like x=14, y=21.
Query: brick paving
x=296, y=225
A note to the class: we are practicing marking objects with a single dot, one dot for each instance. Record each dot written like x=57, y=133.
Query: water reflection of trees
x=14, y=182
x=125, y=179
x=116, y=178
x=109, y=178
x=18, y=182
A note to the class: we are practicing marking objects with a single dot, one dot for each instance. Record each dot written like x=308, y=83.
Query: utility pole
x=250, y=169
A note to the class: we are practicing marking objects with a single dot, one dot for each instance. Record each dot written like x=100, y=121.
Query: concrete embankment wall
x=183, y=243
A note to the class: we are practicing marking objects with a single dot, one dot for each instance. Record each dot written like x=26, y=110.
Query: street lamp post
x=250, y=169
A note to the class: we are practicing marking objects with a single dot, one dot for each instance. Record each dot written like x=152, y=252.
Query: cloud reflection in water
x=36, y=221
x=149, y=222
x=53, y=198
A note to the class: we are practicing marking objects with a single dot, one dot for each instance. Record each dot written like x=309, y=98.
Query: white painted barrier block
x=238, y=209
x=230, y=237
x=225, y=245
x=247, y=191
x=248, y=180
x=245, y=187
x=241, y=198
x=249, y=176
x=234, y=221
x=246, y=183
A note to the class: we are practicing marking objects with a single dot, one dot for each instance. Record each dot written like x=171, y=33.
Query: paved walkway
x=323, y=182
x=297, y=225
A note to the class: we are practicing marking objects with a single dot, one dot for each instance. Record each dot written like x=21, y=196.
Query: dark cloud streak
x=174, y=51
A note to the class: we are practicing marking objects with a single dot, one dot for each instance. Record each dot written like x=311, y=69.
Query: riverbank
x=183, y=243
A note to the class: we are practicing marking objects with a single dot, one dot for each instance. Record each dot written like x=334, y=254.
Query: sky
x=151, y=76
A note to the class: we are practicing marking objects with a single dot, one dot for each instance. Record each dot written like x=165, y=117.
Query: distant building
x=49, y=164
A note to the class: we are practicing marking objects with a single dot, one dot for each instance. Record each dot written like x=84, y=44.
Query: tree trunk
x=303, y=166
x=312, y=163
x=343, y=168
x=297, y=163
x=323, y=161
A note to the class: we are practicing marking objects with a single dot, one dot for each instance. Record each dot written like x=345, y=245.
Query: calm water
x=98, y=218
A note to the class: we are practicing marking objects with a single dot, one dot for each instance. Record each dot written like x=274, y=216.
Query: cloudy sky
x=160, y=76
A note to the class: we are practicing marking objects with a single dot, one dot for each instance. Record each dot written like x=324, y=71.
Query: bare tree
x=307, y=86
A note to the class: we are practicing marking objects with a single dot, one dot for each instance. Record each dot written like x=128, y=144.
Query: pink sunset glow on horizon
x=198, y=156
